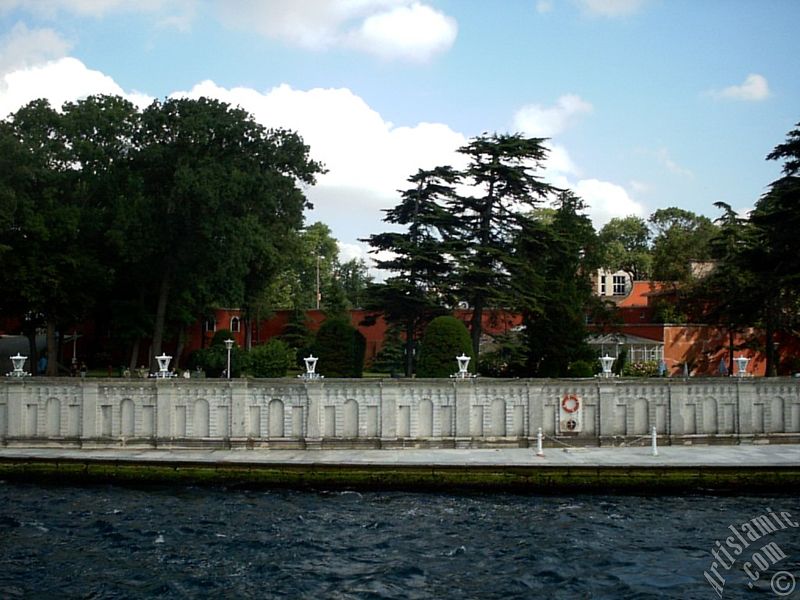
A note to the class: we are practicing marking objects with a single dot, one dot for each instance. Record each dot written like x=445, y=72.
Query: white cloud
x=416, y=32
x=401, y=29
x=559, y=161
x=607, y=200
x=611, y=8
x=753, y=89
x=177, y=14
x=359, y=148
x=541, y=121
x=22, y=47
x=368, y=159
x=348, y=252
x=59, y=81
x=544, y=6
x=87, y=8
x=666, y=160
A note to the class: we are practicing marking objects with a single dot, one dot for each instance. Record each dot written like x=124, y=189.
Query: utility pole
x=319, y=295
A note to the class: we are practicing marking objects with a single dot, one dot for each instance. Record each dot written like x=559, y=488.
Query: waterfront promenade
x=676, y=468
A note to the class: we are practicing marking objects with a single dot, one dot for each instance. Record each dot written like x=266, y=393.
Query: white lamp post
x=163, y=365
x=463, y=365
x=19, y=363
x=606, y=362
x=228, y=346
x=311, y=365
x=741, y=366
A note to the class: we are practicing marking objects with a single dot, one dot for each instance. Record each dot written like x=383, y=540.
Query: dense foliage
x=340, y=349
x=445, y=338
x=273, y=359
x=144, y=219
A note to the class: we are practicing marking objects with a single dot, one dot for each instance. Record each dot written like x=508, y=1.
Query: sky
x=646, y=104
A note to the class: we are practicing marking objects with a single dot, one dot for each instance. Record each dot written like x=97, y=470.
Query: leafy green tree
x=220, y=196
x=354, y=278
x=273, y=359
x=560, y=257
x=419, y=255
x=340, y=349
x=445, y=338
x=627, y=247
x=679, y=237
x=63, y=177
x=503, y=173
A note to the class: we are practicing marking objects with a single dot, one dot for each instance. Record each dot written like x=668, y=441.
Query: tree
x=445, y=338
x=340, y=349
x=502, y=172
x=220, y=196
x=64, y=175
x=272, y=359
x=560, y=256
x=774, y=255
x=679, y=237
x=354, y=278
x=419, y=256
x=626, y=243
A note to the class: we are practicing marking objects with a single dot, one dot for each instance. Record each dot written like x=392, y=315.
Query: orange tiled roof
x=640, y=292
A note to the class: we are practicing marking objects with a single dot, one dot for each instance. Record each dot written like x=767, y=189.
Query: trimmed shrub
x=272, y=359
x=582, y=368
x=444, y=339
x=214, y=360
x=340, y=349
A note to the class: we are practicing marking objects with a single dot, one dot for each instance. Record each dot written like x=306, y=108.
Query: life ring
x=570, y=403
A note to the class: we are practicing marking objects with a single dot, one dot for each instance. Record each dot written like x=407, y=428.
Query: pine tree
x=502, y=171
x=414, y=295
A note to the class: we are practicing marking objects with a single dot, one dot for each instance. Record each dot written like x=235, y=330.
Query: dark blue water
x=115, y=542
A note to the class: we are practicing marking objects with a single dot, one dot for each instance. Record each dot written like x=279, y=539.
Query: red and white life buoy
x=570, y=403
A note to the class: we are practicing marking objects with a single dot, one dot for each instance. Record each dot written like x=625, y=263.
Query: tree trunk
x=476, y=329
x=730, y=349
x=161, y=315
x=409, y=357
x=52, y=350
x=248, y=332
x=134, y=355
x=179, y=348
x=32, y=354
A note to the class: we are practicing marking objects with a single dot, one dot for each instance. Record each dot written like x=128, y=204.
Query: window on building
x=210, y=325
x=235, y=325
x=619, y=287
x=602, y=285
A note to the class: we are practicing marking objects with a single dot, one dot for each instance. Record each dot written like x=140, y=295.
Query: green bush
x=582, y=368
x=648, y=368
x=272, y=359
x=444, y=339
x=340, y=349
x=214, y=360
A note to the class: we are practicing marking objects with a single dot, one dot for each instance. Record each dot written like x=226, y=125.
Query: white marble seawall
x=391, y=413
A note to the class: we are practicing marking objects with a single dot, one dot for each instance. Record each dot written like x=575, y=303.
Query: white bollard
x=539, y=449
x=654, y=441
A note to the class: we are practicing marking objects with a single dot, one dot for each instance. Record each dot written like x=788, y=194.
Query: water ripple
x=109, y=542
